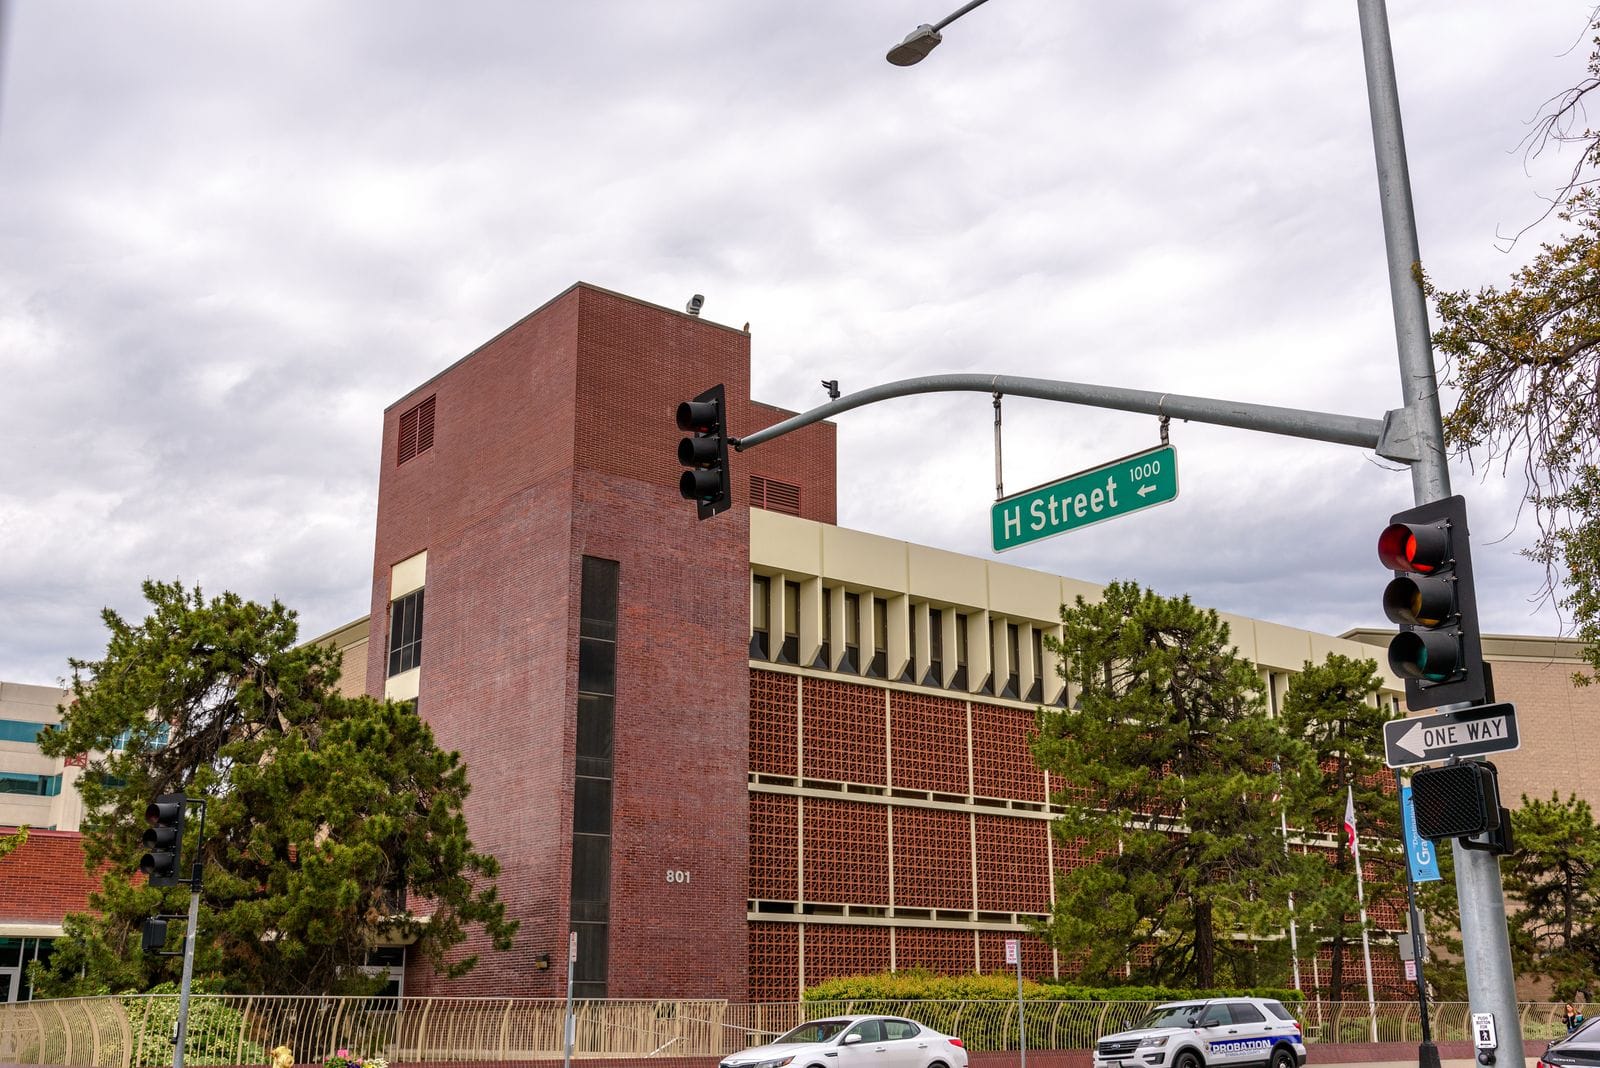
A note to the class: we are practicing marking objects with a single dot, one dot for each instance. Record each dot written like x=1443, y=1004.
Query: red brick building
x=735, y=756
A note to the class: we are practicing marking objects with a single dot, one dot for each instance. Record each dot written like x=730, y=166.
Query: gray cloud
x=236, y=233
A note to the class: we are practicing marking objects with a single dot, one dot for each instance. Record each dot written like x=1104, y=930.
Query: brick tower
x=564, y=621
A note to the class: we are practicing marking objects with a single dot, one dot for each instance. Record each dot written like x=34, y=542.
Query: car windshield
x=815, y=1031
x=1172, y=1016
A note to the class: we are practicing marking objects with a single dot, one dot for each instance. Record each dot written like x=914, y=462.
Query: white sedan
x=855, y=1042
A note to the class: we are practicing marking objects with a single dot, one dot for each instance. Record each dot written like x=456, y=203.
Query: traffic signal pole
x=1485, y=946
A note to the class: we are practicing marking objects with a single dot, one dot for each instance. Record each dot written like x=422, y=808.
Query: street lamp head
x=918, y=43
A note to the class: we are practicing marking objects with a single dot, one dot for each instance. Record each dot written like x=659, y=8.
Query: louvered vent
x=416, y=430
x=774, y=496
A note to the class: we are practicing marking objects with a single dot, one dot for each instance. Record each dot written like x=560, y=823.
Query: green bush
x=917, y=984
x=217, y=1032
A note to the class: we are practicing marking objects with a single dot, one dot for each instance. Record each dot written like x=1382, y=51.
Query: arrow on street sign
x=1469, y=732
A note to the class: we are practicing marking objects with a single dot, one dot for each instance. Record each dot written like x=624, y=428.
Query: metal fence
x=136, y=1031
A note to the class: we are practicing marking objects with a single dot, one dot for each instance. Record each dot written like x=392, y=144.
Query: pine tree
x=322, y=811
x=1171, y=773
x=1333, y=707
x=1554, y=876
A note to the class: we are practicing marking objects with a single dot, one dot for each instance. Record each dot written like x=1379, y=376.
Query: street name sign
x=1468, y=732
x=1127, y=485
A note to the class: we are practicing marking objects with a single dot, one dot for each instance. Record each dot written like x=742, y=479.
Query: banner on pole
x=1420, y=855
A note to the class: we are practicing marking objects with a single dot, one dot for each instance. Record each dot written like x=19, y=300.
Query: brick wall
x=44, y=879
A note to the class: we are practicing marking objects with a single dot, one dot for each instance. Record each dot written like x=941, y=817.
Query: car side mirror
x=851, y=1039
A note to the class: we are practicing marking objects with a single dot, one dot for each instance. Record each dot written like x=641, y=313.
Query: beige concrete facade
x=41, y=791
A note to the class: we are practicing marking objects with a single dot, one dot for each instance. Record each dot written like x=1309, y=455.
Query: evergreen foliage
x=1333, y=706
x=1554, y=877
x=1172, y=779
x=323, y=811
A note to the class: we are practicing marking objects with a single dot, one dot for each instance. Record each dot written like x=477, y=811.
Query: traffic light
x=1437, y=651
x=1456, y=801
x=705, y=453
x=153, y=936
x=164, y=840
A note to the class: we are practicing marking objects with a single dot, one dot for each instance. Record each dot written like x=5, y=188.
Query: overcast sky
x=234, y=232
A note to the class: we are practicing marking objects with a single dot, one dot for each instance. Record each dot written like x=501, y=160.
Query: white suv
x=1206, y=1033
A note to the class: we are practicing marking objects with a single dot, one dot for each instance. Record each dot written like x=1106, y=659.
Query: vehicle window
x=894, y=1030
x=1277, y=1009
x=1172, y=1016
x=1244, y=1012
x=815, y=1031
x=1214, y=1016
x=869, y=1030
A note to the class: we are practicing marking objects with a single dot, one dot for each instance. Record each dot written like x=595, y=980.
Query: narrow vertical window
x=1013, y=686
x=825, y=653
x=878, y=666
x=789, y=651
x=405, y=633
x=958, y=680
x=1036, y=691
x=852, y=633
x=935, y=648
x=592, y=775
x=760, y=616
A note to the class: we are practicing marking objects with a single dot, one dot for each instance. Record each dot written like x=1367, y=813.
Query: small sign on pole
x=1483, y=1036
x=1411, y=969
x=1012, y=954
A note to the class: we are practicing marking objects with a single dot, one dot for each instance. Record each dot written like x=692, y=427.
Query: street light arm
x=1293, y=422
x=948, y=19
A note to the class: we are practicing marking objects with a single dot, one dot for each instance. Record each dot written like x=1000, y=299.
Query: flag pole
x=1361, y=899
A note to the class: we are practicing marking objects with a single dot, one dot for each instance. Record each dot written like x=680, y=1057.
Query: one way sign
x=1469, y=732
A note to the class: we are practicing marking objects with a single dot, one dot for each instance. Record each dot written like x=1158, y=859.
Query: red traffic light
x=1415, y=547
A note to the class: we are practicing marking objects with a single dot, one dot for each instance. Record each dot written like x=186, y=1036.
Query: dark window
x=595, y=722
x=1036, y=691
x=825, y=653
x=789, y=651
x=869, y=1030
x=909, y=673
x=405, y=633
x=18, y=730
x=1214, y=1016
x=16, y=782
x=897, y=1030
x=958, y=680
x=592, y=786
x=878, y=667
x=760, y=616
x=935, y=675
x=1013, y=686
x=852, y=633
x=1243, y=1012
x=416, y=430
x=1279, y=1011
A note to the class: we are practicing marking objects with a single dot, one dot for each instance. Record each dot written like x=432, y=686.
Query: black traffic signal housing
x=705, y=452
x=1438, y=651
x=163, y=842
x=1460, y=801
x=153, y=935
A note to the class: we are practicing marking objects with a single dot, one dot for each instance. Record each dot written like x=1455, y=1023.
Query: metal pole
x=999, y=472
x=188, y=970
x=1388, y=436
x=1022, y=1024
x=1486, y=948
x=571, y=1024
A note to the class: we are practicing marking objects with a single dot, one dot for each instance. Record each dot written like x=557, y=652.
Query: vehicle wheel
x=1282, y=1058
x=1188, y=1059
x=938, y=1064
